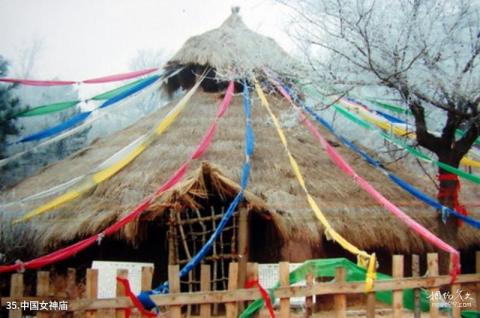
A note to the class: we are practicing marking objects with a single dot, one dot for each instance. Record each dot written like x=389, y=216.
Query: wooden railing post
x=43, y=291
x=147, y=276
x=310, y=279
x=284, y=282
x=123, y=273
x=231, y=308
x=340, y=300
x=16, y=290
x=174, y=286
x=397, y=297
x=205, y=309
x=432, y=270
x=416, y=291
x=91, y=290
x=477, y=267
x=455, y=289
x=72, y=283
x=371, y=303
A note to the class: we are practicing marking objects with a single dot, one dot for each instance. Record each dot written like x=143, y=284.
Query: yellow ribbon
x=100, y=176
x=399, y=131
x=363, y=257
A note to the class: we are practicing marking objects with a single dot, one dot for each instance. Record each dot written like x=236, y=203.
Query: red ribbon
x=452, y=192
x=266, y=297
x=134, y=299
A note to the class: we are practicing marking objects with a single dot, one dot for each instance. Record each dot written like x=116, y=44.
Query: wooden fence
x=235, y=298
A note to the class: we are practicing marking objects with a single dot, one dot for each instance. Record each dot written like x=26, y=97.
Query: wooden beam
x=174, y=286
x=231, y=307
x=397, y=296
x=284, y=272
x=251, y=294
x=205, y=309
x=432, y=270
x=16, y=290
x=340, y=300
x=43, y=290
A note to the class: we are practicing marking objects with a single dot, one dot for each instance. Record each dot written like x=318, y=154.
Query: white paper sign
x=107, y=274
x=268, y=276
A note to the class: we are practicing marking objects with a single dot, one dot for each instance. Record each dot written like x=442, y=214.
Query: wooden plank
x=205, y=309
x=397, y=295
x=91, y=290
x=231, y=309
x=147, y=276
x=72, y=283
x=477, y=267
x=432, y=270
x=251, y=294
x=16, y=290
x=174, y=286
x=123, y=273
x=456, y=290
x=371, y=303
x=309, y=279
x=284, y=282
x=340, y=300
x=43, y=290
x=416, y=291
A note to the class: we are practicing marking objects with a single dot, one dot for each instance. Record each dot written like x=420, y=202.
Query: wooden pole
x=477, y=267
x=340, y=300
x=432, y=271
x=205, y=309
x=242, y=246
x=123, y=273
x=284, y=282
x=174, y=285
x=416, y=291
x=43, y=291
x=231, y=308
x=397, y=272
x=16, y=290
x=309, y=299
x=91, y=290
x=147, y=276
x=371, y=303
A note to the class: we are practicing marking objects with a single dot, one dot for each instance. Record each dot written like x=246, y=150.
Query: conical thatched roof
x=234, y=51
x=273, y=191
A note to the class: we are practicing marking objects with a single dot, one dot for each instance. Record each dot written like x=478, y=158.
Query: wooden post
x=120, y=313
x=242, y=246
x=455, y=290
x=309, y=299
x=340, y=299
x=416, y=291
x=43, y=291
x=16, y=290
x=72, y=283
x=284, y=272
x=477, y=267
x=397, y=272
x=147, y=276
x=174, y=286
x=91, y=290
x=205, y=309
x=371, y=303
x=231, y=308
x=432, y=270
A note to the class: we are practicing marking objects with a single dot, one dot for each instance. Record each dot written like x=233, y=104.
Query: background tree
x=9, y=107
x=425, y=52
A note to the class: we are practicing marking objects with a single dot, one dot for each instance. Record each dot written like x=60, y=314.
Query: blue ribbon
x=132, y=90
x=445, y=211
x=144, y=297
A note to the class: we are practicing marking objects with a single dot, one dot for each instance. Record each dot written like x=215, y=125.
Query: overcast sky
x=90, y=38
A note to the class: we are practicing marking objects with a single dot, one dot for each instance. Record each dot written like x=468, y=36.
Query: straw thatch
x=233, y=51
x=273, y=192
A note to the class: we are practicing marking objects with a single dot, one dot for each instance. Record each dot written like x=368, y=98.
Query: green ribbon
x=390, y=107
x=47, y=109
x=354, y=273
x=119, y=90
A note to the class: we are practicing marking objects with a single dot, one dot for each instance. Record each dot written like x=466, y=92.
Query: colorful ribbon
x=75, y=248
x=144, y=297
x=105, y=79
x=134, y=299
x=364, y=257
x=377, y=196
x=47, y=109
x=266, y=297
x=100, y=176
x=394, y=178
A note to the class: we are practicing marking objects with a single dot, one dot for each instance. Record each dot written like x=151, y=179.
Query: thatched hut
x=281, y=225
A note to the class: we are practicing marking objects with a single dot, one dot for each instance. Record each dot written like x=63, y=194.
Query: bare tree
x=423, y=51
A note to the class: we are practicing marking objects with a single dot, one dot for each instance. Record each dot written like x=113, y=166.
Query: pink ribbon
x=35, y=82
x=377, y=196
